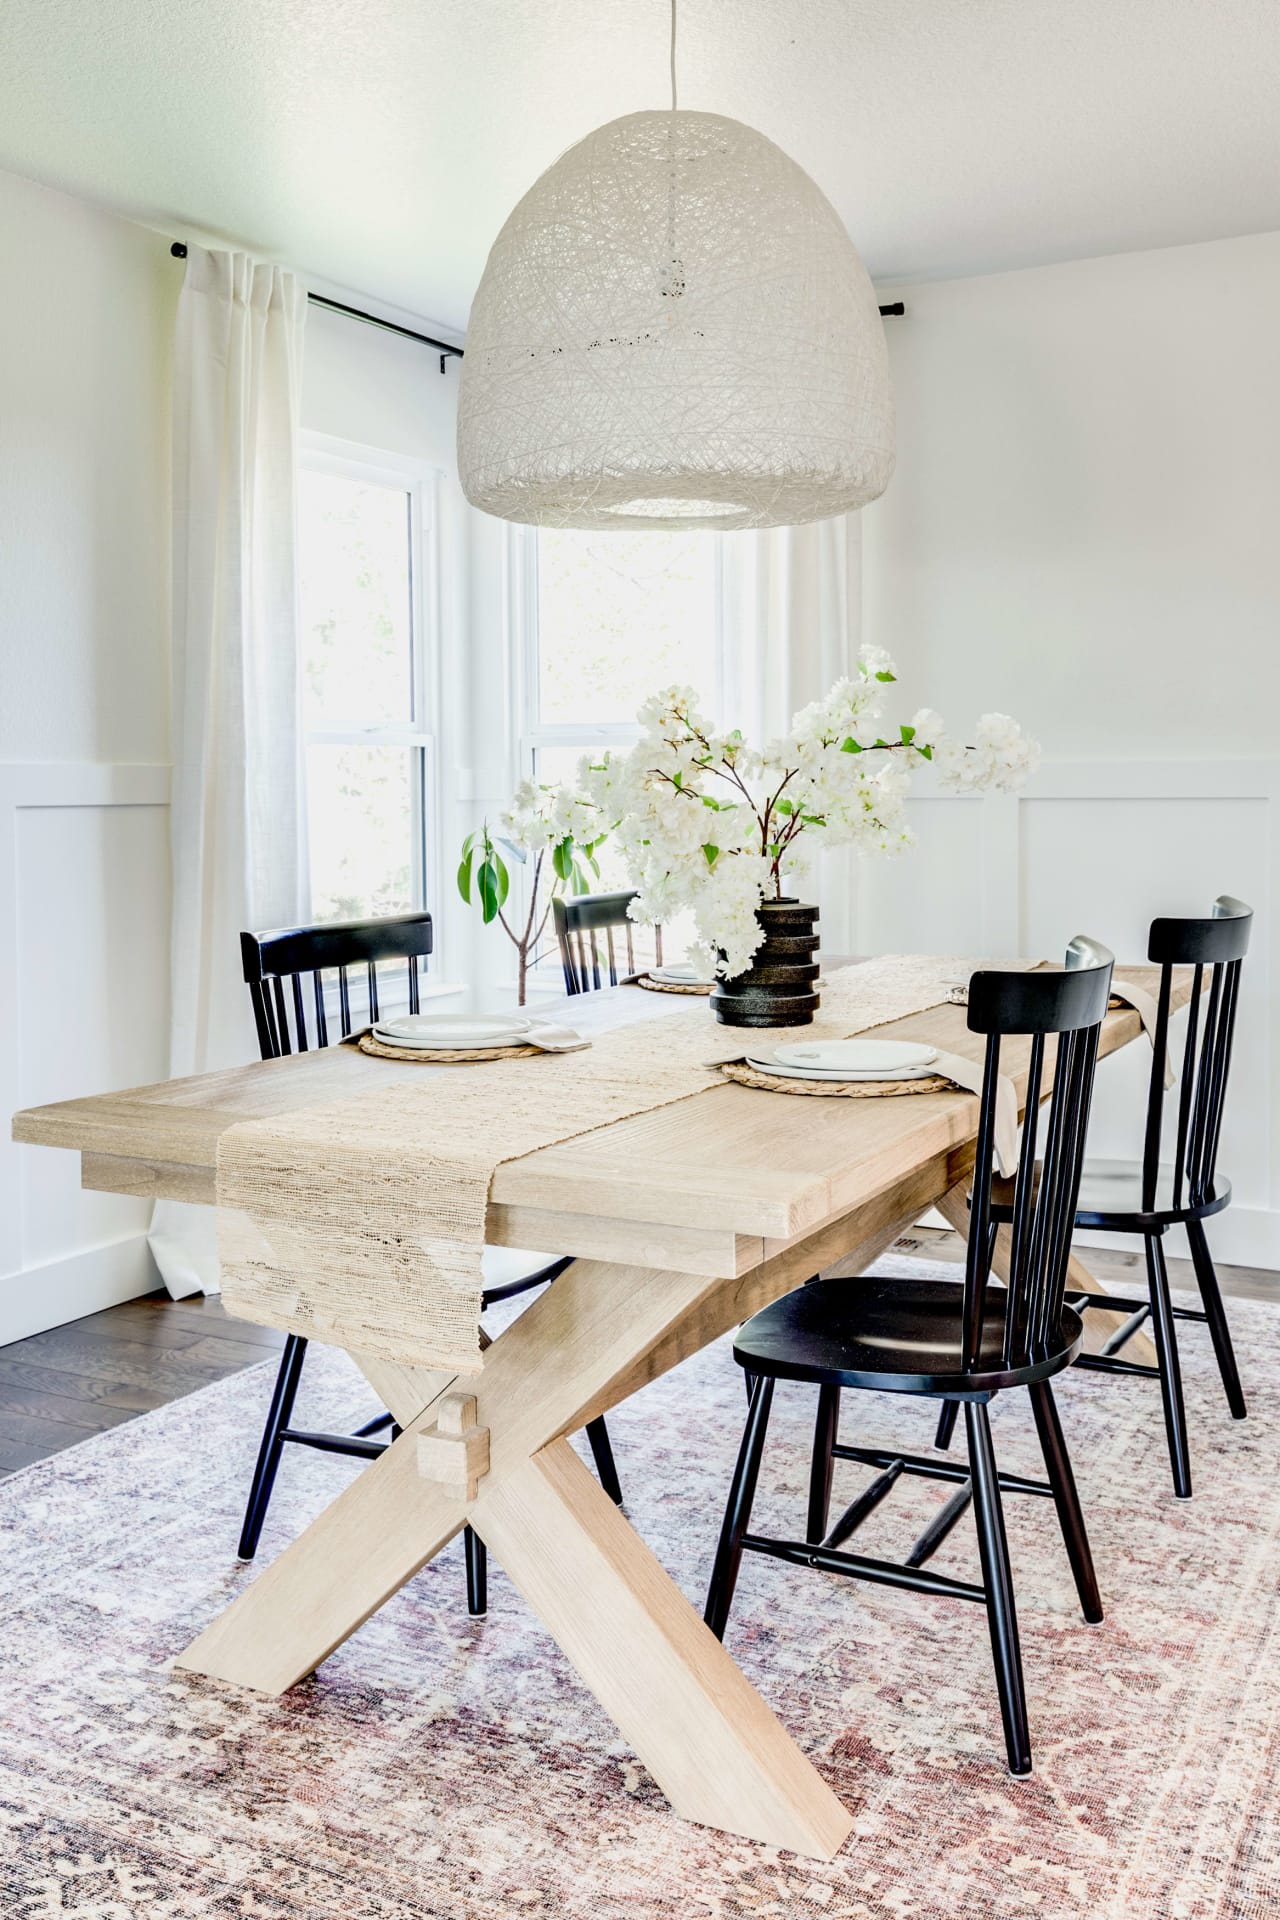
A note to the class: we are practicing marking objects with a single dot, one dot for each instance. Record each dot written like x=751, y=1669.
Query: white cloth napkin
x=968, y=1075
x=1145, y=1007
x=550, y=1039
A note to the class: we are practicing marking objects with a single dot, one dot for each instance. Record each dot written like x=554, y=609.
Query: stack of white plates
x=445, y=1031
x=847, y=1060
x=682, y=974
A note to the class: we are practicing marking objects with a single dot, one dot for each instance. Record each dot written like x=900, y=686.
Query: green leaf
x=784, y=806
x=774, y=849
x=926, y=753
x=908, y=734
x=850, y=745
x=712, y=854
x=464, y=869
x=677, y=781
x=562, y=858
x=487, y=882
x=882, y=675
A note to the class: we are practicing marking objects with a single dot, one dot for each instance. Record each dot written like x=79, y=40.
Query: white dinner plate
x=771, y=1064
x=452, y=1030
x=680, y=976
x=884, y=1057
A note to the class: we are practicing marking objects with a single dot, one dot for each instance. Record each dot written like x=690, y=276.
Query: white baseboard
x=80, y=1284
x=1240, y=1237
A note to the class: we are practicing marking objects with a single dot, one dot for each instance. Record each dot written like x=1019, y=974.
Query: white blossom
x=708, y=824
x=929, y=727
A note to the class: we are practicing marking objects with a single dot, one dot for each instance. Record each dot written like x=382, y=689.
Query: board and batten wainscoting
x=1102, y=846
x=84, y=980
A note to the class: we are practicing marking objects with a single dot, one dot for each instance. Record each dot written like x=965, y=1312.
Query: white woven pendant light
x=674, y=329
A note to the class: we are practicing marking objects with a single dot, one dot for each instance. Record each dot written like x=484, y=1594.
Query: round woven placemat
x=441, y=1056
x=828, y=1089
x=672, y=986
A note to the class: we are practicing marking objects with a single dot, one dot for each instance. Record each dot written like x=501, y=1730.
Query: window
x=367, y=693
x=608, y=619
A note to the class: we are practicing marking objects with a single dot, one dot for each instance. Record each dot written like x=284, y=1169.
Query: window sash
x=531, y=731
x=323, y=453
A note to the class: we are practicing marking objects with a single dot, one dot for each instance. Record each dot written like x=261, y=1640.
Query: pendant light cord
x=673, y=55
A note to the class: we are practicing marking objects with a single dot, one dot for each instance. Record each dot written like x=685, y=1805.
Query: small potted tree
x=551, y=832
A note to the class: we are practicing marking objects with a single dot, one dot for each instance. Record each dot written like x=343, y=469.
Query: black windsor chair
x=579, y=921
x=275, y=966
x=1148, y=1197
x=962, y=1343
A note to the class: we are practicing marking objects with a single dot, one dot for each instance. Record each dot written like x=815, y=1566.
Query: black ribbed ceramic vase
x=779, y=988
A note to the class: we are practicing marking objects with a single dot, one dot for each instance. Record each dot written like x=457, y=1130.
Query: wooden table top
x=712, y=1184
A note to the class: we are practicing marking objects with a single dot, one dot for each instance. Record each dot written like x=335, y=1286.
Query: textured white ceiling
x=380, y=143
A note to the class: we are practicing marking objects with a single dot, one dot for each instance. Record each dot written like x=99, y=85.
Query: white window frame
x=350, y=459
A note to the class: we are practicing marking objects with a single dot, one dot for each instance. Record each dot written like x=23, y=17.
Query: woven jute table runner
x=361, y=1222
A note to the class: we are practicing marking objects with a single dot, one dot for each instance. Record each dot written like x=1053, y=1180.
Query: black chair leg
x=1215, y=1314
x=946, y=1424
x=996, y=1577
x=737, y=1513
x=279, y=1415
x=602, y=1454
x=477, y=1557
x=1065, y=1498
x=1164, y=1329
x=823, y=1462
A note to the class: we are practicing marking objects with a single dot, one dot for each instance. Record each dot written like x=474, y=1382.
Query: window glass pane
x=356, y=602
x=619, y=616
x=361, y=804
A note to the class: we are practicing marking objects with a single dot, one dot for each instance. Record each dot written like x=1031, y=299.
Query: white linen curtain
x=792, y=610
x=238, y=820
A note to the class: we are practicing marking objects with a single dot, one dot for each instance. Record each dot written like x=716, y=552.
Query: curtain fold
x=238, y=818
x=792, y=608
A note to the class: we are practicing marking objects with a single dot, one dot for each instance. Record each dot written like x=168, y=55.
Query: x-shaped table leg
x=709, y=1739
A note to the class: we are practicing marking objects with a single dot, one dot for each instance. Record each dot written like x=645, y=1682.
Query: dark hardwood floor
x=59, y=1387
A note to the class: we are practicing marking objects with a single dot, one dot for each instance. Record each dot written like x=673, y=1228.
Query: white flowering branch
x=834, y=776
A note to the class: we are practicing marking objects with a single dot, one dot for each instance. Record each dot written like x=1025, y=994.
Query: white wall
x=85, y=327
x=1084, y=530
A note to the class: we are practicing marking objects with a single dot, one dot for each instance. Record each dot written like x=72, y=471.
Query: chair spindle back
x=277, y=963
x=1219, y=943
x=1071, y=1005
x=580, y=921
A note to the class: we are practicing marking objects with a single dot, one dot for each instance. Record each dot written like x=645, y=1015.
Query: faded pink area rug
x=442, y=1767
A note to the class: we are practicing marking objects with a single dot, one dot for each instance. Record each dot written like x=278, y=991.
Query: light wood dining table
x=683, y=1222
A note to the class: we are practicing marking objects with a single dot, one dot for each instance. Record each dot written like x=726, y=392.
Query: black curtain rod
x=442, y=347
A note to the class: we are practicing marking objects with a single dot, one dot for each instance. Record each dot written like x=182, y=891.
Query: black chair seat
x=1111, y=1197
x=892, y=1336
